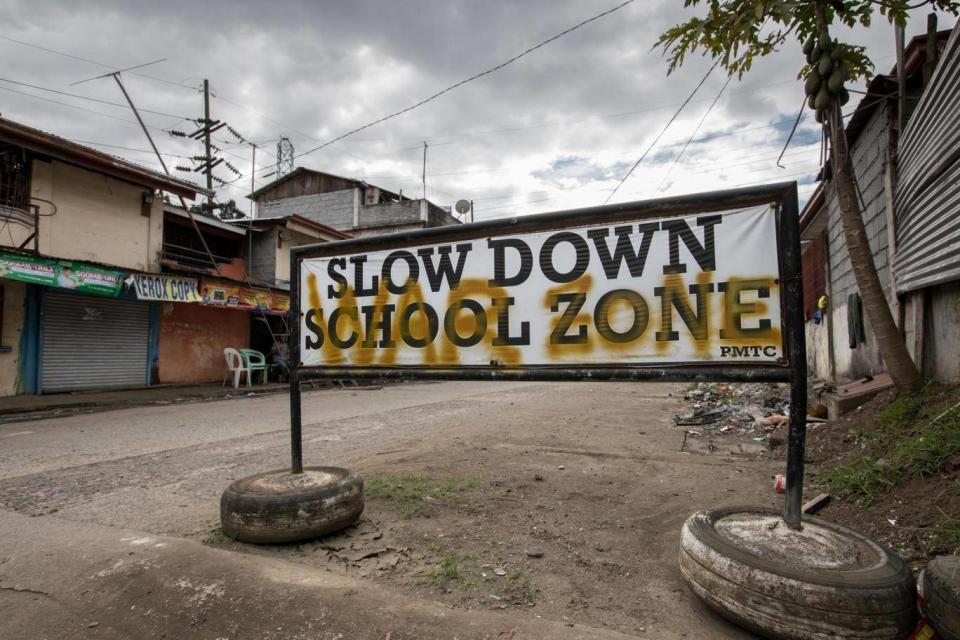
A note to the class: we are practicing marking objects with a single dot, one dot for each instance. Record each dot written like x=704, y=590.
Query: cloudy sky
x=555, y=130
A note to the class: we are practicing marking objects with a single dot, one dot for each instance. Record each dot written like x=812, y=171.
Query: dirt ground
x=565, y=501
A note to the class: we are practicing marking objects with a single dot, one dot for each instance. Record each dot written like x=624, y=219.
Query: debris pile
x=755, y=410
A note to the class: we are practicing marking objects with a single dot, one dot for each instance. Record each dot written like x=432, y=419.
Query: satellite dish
x=462, y=206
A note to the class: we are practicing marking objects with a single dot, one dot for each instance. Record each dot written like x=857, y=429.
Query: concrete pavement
x=61, y=579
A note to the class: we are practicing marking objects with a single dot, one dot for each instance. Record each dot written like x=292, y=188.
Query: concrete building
x=104, y=284
x=921, y=285
x=73, y=223
x=345, y=204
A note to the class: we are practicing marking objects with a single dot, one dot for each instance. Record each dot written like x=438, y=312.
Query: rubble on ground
x=755, y=410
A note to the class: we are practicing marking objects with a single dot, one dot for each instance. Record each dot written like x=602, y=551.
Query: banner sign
x=64, y=274
x=243, y=298
x=678, y=290
x=152, y=286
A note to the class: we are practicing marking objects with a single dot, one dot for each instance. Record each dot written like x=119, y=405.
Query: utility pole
x=424, y=169
x=206, y=140
x=253, y=171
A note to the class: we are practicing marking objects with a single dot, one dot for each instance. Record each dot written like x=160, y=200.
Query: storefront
x=77, y=332
x=193, y=332
x=89, y=342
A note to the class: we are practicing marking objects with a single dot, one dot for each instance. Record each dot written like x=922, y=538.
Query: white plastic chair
x=235, y=366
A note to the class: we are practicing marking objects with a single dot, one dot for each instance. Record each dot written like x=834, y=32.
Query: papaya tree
x=737, y=32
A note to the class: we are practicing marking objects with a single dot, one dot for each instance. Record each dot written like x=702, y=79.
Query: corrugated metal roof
x=928, y=186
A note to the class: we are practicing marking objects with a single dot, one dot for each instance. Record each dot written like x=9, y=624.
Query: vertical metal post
x=901, y=80
x=293, y=350
x=792, y=290
x=424, y=169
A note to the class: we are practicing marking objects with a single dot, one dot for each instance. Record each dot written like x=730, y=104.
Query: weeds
x=464, y=572
x=216, y=537
x=943, y=534
x=411, y=495
x=455, y=569
x=914, y=437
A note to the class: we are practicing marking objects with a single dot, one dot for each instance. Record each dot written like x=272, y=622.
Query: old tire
x=941, y=592
x=826, y=581
x=279, y=506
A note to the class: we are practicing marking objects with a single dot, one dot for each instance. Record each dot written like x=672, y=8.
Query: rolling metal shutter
x=928, y=187
x=93, y=343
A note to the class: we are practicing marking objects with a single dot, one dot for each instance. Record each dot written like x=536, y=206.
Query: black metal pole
x=293, y=349
x=792, y=290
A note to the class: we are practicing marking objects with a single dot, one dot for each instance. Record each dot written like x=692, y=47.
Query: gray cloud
x=554, y=130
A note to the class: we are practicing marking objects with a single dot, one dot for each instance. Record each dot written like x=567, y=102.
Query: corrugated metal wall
x=928, y=187
x=93, y=343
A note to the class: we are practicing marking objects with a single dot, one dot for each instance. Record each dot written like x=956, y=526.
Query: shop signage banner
x=151, y=286
x=64, y=274
x=243, y=298
x=699, y=289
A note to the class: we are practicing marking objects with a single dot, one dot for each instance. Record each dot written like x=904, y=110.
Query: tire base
x=280, y=507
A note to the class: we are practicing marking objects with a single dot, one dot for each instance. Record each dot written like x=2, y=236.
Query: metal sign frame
x=793, y=369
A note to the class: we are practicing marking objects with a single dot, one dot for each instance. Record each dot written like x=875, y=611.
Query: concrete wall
x=941, y=341
x=14, y=310
x=437, y=217
x=334, y=209
x=390, y=214
x=263, y=262
x=869, y=158
x=98, y=218
x=289, y=239
x=818, y=350
x=192, y=339
x=379, y=231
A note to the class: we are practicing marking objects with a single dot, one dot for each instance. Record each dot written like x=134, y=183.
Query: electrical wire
x=88, y=60
x=76, y=95
x=662, y=131
x=466, y=80
x=696, y=129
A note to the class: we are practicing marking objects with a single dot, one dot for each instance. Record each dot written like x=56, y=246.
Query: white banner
x=677, y=290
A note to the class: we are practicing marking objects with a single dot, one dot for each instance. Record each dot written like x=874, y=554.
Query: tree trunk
x=893, y=349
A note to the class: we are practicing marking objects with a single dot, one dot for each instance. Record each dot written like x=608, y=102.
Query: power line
x=88, y=60
x=470, y=79
x=76, y=95
x=116, y=146
x=662, y=131
x=676, y=158
x=67, y=104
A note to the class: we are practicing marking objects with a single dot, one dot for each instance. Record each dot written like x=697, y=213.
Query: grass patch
x=460, y=571
x=913, y=438
x=465, y=573
x=413, y=495
x=943, y=534
x=216, y=537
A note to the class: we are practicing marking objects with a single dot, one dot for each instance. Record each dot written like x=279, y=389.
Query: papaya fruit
x=825, y=66
x=844, y=97
x=822, y=101
x=814, y=55
x=820, y=116
x=808, y=45
x=812, y=83
x=835, y=82
x=811, y=99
